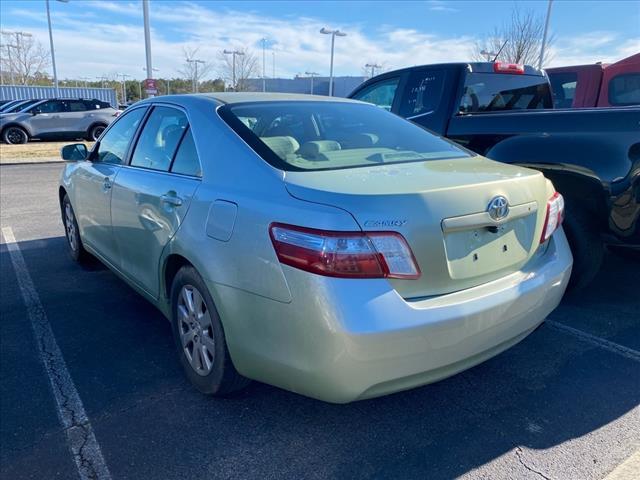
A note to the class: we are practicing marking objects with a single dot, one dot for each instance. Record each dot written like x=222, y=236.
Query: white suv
x=63, y=119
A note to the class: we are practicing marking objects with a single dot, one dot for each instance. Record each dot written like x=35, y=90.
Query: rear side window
x=491, y=92
x=186, y=161
x=422, y=93
x=380, y=94
x=52, y=106
x=624, y=89
x=564, y=88
x=96, y=104
x=76, y=106
x=114, y=143
x=159, y=139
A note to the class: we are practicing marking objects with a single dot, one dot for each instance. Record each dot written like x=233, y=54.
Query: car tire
x=14, y=135
x=197, y=330
x=72, y=232
x=586, y=246
x=95, y=132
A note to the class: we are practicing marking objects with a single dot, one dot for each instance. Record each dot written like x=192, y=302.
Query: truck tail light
x=554, y=217
x=344, y=254
x=514, y=68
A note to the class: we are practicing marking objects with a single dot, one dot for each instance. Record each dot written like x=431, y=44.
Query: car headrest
x=282, y=146
x=360, y=140
x=315, y=148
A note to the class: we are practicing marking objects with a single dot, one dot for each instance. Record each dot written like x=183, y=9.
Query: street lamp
x=544, y=35
x=311, y=75
x=124, y=87
x=264, y=80
x=53, y=54
x=233, y=53
x=18, y=35
x=195, y=75
x=147, y=38
x=334, y=34
x=373, y=67
x=489, y=55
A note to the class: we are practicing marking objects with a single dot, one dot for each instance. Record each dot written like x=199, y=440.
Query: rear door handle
x=106, y=185
x=171, y=199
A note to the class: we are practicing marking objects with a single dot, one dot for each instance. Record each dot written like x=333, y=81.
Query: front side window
x=491, y=92
x=625, y=89
x=422, y=93
x=52, y=106
x=380, y=94
x=334, y=135
x=159, y=139
x=113, y=145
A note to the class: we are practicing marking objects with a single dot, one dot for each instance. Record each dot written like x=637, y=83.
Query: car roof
x=477, y=67
x=247, y=97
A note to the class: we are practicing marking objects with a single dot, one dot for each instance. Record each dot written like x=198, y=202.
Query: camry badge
x=498, y=207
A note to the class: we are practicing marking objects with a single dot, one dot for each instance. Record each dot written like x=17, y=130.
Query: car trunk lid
x=440, y=207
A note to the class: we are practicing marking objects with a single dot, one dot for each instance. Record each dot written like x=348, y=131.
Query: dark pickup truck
x=505, y=112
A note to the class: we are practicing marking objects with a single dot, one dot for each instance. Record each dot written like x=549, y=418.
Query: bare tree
x=194, y=71
x=246, y=66
x=520, y=39
x=23, y=59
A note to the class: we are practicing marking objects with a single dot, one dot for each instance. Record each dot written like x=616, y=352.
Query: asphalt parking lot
x=563, y=404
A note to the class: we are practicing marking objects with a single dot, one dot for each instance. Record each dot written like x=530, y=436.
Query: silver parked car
x=62, y=119
x=322, y=245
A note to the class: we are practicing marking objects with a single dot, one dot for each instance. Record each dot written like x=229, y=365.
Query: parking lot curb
x=627, y=470
x=29, y=162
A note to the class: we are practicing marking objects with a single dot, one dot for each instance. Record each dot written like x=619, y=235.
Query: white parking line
x=80, y=438
x=597, y=341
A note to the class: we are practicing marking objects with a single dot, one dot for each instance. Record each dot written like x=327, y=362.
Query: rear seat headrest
x=282, y=146
x=315, y=148
x=360, y=140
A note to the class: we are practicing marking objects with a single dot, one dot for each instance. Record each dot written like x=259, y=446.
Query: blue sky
x=95, y=38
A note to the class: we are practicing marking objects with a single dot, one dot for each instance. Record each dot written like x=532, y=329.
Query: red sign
x=150, y=86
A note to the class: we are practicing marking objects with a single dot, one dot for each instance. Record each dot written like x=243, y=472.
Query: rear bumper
x=343, y=340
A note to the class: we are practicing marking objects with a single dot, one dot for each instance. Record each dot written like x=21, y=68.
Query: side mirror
x=74, y=152
x=35, y=111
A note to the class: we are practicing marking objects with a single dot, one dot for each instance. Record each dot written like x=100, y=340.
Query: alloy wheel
x=15, y=136
x=196, y=330
x=70, y=227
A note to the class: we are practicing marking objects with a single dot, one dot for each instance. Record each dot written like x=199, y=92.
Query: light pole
x=124, y=87
x=18, y=35
x=53, y=53
x=195, y=74
x=544, y=35
x=273, y=54
x=147, y=39
x=311, y=75
x=334, y=34
x=373, y=67
x=264, y=80
x=233, y=53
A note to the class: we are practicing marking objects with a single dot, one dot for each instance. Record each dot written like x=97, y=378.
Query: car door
x=152, y=194
x=93, y=182
x=75, y=117
x=46, y=117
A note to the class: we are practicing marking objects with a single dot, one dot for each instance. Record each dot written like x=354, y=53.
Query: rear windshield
x=491, y=92
x=331, y=135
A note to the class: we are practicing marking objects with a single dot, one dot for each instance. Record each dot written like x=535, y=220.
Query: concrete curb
x=627, y=470
x=16, y=161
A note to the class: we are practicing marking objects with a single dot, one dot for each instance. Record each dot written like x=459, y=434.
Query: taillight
x=516, y=68
x=344, y=254
x=554, y=218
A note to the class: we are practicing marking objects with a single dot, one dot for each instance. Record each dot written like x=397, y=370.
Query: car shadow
x=550, y=388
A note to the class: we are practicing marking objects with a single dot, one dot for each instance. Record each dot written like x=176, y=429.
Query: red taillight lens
x=344, y=254
x=515, y=68
x=554, y=218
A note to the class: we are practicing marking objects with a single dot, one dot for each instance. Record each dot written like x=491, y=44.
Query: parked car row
x=49, y=119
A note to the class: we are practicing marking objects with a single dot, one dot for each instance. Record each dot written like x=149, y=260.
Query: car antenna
x=500, y=51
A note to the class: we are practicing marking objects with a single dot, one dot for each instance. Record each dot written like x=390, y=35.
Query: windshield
x=490, y=92
x=330, y=135
x=21, y=106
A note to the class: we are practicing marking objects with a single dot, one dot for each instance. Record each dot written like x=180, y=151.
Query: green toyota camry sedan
x=321, y=245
